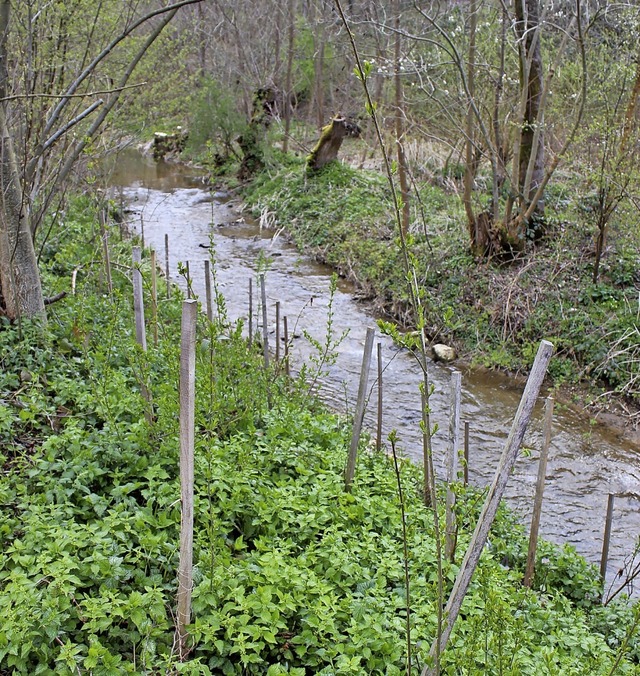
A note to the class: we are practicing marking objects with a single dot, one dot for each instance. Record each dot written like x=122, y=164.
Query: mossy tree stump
x=328, y=145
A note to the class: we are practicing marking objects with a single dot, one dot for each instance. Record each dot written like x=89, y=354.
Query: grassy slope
x=292, y=574
x=495, y=314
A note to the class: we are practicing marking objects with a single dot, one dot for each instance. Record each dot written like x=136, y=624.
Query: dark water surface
x=586, y=463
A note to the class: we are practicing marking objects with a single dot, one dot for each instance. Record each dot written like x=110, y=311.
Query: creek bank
x=294, y=575
x=493, y=314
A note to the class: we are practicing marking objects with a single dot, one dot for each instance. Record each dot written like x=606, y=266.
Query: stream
x=586, y=462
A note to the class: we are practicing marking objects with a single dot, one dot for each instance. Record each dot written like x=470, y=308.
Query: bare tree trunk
x=531, y=165
x=402, y=158
x=288, y=80
x=19, y=277
x=470, y=165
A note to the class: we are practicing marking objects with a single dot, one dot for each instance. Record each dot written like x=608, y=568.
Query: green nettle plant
x=292, y=574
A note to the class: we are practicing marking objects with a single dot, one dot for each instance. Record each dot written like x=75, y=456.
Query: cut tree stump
x=326, y=150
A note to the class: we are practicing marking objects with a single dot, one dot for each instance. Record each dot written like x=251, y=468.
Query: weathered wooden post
x=166, y=263
x=452, y=466
x=466, y=453
x=105, y=249
x=154, y=295
x=265, y=328
x=207, y=286
x=426, y=472
x=187, y=445
x=277, y=332
x=138, y=299
x=537, y=505
x=492, y=501
x=287, y=369
x=604, y=559
x=379, y=420
x=359, y=414
x=250, y=311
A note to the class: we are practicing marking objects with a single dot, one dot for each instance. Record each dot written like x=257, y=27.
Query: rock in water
x=443, y=353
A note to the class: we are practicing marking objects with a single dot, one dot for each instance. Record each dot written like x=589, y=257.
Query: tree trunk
x=20, y=287
x=326, y=150
x=403, y=169
x=531, y=160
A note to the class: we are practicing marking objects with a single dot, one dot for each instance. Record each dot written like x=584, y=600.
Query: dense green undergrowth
x=292, y=574
x=494, y=312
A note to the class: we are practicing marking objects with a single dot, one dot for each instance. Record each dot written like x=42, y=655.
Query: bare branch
x=98, y=92
x=51, y=140
x=105, y=52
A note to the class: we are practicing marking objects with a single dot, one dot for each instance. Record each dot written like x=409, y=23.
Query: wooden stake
x=250, y=311
x=466, y=453
x=277, y=332
x=452, y=466
x=188, y=280
x=166, y=263
x=138, y=300
x=187, y=435
x=265, y=328
x=379, y=421
x=142, y=230
x=286, y=346
x=359, y=414
x=105, y=249
x=604, y=559
x=426, y=473
x=492, y=501
x=207, y=286
x=537, y=505
x=154, y=295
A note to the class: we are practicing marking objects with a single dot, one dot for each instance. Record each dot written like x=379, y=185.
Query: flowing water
x=586, y=462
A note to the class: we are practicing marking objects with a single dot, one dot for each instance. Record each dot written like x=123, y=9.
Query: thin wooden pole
x=277, y=332
x=138, y=300
x=166, y=263
x=426, y=472
x=142, y=229
x=359, y=414
x=492, y=501
x=154, y=295
x=452, y=466
x=250, y=311
x=265, y=328
x=188, y=280
x=537, y=505
x=379, y=420
x=285, y=322
x=466, y=453
x=207, y=286
x=604, y=559
x=187, y=443
x=105, y=248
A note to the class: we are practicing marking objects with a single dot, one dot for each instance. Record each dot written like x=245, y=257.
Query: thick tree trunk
x=531, y=161
x=20, y=289
x=326, y=150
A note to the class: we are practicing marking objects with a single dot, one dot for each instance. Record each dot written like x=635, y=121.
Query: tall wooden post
x=187, y=444
x=359, y=414
x=537, y=505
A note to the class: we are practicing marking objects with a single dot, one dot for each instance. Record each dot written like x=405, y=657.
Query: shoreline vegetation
x=292, y=574
x=494, y=312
